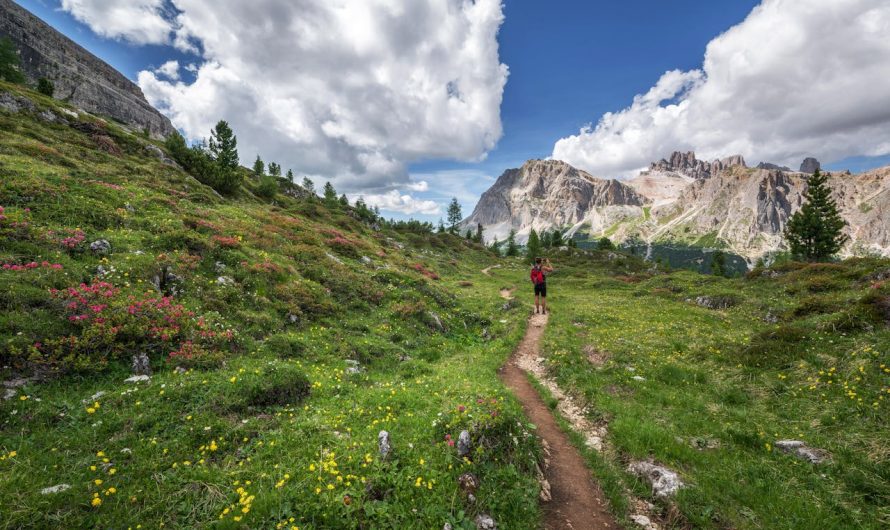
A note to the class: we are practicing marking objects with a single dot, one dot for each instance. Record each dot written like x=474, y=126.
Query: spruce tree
x=512, y=248
x=259, y=169
x=479, y=231
x=46, y=87
x=344, y=200
x=815, y=232
x=718, y=263
x=308, y=185
x=441, y=228
x=468, y=235
x=330, y=194
x=454, y=215
x=274, y=169
x=290, y=175
x=605, y=243
x=223, y=150
x=533, y=247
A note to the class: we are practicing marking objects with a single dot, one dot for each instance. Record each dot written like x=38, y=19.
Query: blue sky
x=570, y=61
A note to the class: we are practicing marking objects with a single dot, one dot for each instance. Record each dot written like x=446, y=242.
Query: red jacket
x=537, y=275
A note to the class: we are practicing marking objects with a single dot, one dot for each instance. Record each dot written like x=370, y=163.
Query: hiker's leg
x=537, y=299
x=544, y=304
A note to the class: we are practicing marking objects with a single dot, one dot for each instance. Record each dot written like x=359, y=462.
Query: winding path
x=576, y=501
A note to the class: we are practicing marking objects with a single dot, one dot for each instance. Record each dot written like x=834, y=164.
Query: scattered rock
x=141, y=364
x=366, y=260
x=468, y=483
x=58, y=488
x=8, y=394
x=101, y=271
x=463, y=444
x=156, y=152
x=137, y=378
x=225, y=281
x=334, y=258
x=383, y=444
x=771, y=318
x=595, y=357
x=665, y=482
x=11, y=103
x=810, y=165
x=100, y=246
x=447, y=526
x=638, y=378
x=435, y=322
x=545, y=495
x=180, y=370
x=485, y=522
x=166, y=282
x=704, y=443
x=803, y=451
x=292, y=318
x=644, y=522
x=94, y=397
x=715, y=302
x=219, y=267
x=69, y=112
x=48, y=116
x=353, y=367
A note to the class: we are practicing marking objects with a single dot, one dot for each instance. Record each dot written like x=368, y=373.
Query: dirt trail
x=507, y=294
x=577, y=502
x=487, y=270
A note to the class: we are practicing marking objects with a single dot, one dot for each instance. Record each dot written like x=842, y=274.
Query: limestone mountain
x=683, y=200
x=544, y=194
x=80, y=78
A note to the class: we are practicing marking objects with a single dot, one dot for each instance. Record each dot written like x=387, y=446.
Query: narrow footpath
x=576, y=501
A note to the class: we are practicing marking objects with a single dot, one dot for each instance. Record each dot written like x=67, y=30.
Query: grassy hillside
x=284, y=335
x=799, y=352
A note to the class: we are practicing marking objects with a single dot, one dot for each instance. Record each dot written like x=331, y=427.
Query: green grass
x=731, y=377
x=269, y=420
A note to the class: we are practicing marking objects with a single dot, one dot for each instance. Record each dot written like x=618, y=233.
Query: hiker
x=539, y=273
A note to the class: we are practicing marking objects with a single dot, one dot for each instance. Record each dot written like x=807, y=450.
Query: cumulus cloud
x=351, y=90
x=420, y=185
x=794, y=79
x=136, y=21
x=394, y=201
x=170, y=70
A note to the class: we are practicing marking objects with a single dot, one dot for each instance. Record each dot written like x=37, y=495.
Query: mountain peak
x=687, y=164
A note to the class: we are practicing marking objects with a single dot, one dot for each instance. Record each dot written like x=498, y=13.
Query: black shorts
x=541, y=289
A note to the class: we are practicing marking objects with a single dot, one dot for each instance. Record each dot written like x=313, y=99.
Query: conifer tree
x=479, y=232
x=454, y=215
x=10, y=64
x=330, y=194
x=815, y=232
x=274, y=169
x=308, y=185
x=718, y=263
x=259, y=169
x=46, y=87
x=290, y=175
x=512, y=247
x=223, y=150
x=344, y=200
x=533, y=247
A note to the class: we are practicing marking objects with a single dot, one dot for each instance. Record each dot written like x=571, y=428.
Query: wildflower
x=96, y=502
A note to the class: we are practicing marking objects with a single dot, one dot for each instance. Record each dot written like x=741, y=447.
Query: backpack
x=537, y=275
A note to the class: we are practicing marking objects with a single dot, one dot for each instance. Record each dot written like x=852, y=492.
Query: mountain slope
x=549, y=193
x=80, y=77
x=283, y=335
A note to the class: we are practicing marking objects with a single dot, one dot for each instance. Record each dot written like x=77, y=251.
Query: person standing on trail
x=538, y=276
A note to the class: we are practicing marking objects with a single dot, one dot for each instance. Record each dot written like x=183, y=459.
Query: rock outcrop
x=80, y=78
x=810, y=165
x=770, y=165
x=687, y=164
x=544, y=194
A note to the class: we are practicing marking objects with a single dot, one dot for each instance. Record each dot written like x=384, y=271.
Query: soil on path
x=577, y=502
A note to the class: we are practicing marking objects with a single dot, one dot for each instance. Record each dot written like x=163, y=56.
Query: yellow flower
x=233, y=379
x=91, y=410
x=112, y=490
x=96, y=502
x=112, y=471
x=98, y=482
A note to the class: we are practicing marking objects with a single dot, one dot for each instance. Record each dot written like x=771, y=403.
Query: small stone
x=58, y=488
x=354, y=367
x=180, y=370
x=463, y=444
x=366, y=260
x=468, y=483
x=141, y=364
x=100, y=246
x=447, y=526
x=383, y=444
x=127, y=451
x=137, y=379
x=94, y=397
x=665, y=482
x=9, y=394
x=644, y=522
x=219, y=267
x=803, y=451
x=225, y=281
x=485, y=522
x=638, y=378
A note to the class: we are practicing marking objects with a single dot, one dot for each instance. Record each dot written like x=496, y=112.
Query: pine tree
x=815, y=232
x=290, y=175
x=274, y=169
x=495, y=246
x=718, y=263
x=344, y=200
x=556, y=238
x=259, y=169
x=454, y=215
x=46, y=87
x=330, y=194
x=223, y=150
x=479, y=231
x=605, y=243
x=308, y=185
x=468, y=235
x=533, y=247
x=10, y=64
x=512, y=248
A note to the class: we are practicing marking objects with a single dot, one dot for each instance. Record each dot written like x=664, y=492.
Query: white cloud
x=170, y=70
x=420, y=185
x=136, y=21
x=794, y=79
x=393, y=201
x=350, y=89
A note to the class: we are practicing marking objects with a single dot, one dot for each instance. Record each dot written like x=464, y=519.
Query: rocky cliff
x=683, y=200
x=544, y=194
x=80, y=77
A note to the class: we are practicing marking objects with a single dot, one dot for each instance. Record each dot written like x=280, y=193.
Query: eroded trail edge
x=575, y=501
